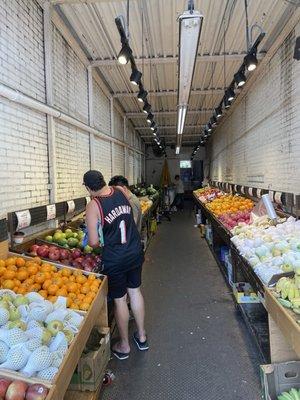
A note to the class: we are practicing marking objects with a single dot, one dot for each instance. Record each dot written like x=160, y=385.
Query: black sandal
x=142, y=346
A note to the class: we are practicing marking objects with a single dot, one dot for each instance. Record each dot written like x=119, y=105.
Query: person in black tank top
x=122, y=256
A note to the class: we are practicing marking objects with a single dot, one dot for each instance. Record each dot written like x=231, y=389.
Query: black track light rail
x=142, y=91
x=225, y=101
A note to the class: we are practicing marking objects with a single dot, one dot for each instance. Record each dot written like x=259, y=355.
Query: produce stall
x=263, y=254
x=48, y=311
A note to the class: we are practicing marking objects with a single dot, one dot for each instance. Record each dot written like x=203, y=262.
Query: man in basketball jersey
x=122, y=256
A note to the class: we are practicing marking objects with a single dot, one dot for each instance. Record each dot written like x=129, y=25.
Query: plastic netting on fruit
x=3, y=351
x=48, y=374
x=17, y=358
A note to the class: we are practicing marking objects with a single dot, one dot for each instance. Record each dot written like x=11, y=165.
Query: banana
x=297, y=291
x=284, y=294
x=291, y=292
x=285, y=303
x=297, y=281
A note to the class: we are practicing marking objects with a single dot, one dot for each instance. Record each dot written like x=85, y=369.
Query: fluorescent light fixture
x=181, y=118
x=190, y=24
x=177, y=149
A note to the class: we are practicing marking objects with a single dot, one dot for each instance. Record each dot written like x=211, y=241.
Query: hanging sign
x=24, y=219
x=87, y=200
x=51, y=211
x=71, y=206
x=250, y=191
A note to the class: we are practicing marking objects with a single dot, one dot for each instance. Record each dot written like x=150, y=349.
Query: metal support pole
x=91, y=116
x=112, y=130
x=125, y=148
x=49, y=101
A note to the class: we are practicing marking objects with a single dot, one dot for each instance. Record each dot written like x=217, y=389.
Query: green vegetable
x=285, y=303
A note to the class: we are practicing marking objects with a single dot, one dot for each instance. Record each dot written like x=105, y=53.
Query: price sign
x=87, y=200
x=277, y=197
x=71, y=206
x=235, y=188
x=258, y=192
x=243, y=189
x=51, y=211
x=250, y=190
x=271, y=195
x=24, y=219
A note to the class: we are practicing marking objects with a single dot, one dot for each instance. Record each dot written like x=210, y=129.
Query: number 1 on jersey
x=122, y=227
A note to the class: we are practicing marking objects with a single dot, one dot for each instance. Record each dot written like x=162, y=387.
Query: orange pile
x=229, y=204
x=24, y=276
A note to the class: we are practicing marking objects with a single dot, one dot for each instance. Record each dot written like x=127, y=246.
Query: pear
x=17, y=324
x=69, y=335
x=14, y=314
x=20, y=300
x=55, y=326
x=46, y=337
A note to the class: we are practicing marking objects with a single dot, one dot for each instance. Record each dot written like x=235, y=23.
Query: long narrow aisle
x=200, y=348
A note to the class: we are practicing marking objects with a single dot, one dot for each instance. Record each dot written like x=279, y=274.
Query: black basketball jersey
x=122, y=243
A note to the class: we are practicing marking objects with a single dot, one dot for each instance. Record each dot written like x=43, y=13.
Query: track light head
x=250, y=61
x=142, y=95
x=213, y=121
x=135, y=77
x=150, y=118
x=240, y=78
x=209, y=127
x=152, y=126
x=230, y=94
x=147, y=108
x=155, y=132
x=218, y=112
x=124, y=54
x=227, y=103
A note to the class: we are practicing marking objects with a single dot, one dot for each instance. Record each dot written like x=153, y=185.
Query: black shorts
x=118, y=283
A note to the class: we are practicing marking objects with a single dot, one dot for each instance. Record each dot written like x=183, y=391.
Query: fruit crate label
x=87, y=200
x=24, y=219
x=51, y=211
x=71, y=206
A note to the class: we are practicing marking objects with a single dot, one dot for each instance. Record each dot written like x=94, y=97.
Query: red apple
x=4, y=383
x=76, y=253
x=54, y=254
x=43, y=251
x=64, y=253
x=77, y=263
x=33, y=249
x=36, y=392
x=16, y=390
x=65, y=261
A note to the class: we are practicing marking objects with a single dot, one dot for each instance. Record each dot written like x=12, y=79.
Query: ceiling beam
x=166, y=113
x=81, y=1
x=171, y=92
x=171, y=60
x=143, y=128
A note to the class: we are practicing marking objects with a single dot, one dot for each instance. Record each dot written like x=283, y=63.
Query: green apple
x=20, y=300
x=55, y=326
x=17, y=324
x=49, y=238
x=14, y=314
x=46, y=337
x=87, y=249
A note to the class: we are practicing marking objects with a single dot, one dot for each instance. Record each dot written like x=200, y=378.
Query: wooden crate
x=95, y=316
x=284, y=330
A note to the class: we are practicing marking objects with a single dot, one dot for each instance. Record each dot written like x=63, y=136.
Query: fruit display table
x=96, y=315
x=283, y=330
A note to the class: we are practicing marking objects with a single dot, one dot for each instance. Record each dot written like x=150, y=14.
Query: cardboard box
x=229, y=268
x=278, y=378
x=243, y=293
x=91, y=367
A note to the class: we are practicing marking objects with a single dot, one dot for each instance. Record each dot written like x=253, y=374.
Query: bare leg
x=138, y=310
x=122, y=318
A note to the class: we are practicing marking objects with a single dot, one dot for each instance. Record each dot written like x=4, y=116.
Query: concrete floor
x=200, y=347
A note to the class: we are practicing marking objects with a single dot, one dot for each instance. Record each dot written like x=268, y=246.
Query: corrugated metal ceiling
x=156, y=22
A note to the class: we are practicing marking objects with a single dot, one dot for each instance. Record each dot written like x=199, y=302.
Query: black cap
x=94, y=180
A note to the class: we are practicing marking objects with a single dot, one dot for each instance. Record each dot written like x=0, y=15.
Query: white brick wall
x=69, y=79
x=21, y=47
x=23, y=158
x=72, y=156
x=103, y=158
x=119, y=160
x=118, y=125
x=259, y=143
x=101, y=105
x=24, y=171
